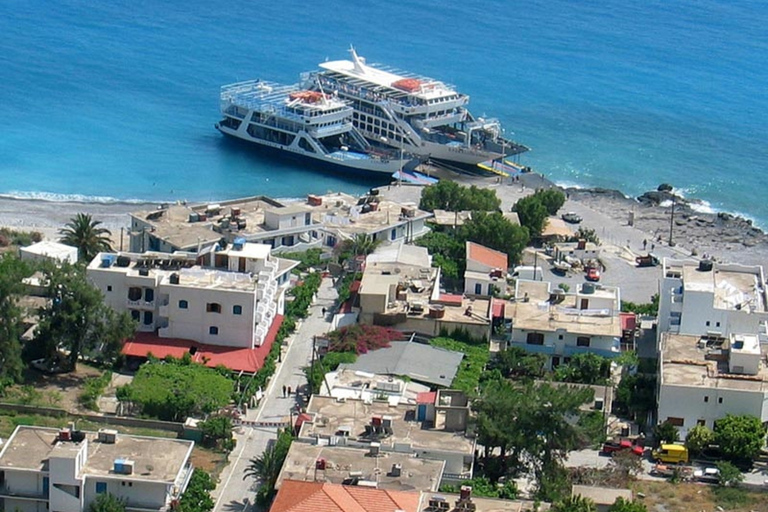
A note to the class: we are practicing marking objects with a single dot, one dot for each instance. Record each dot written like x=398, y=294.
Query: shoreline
x=722, y=235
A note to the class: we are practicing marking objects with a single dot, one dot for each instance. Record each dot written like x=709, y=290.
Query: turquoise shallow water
x=118, y=99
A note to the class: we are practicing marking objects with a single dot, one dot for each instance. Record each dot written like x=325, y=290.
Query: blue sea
x=116, y=100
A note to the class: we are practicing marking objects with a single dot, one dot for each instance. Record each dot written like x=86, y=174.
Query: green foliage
x=343, y=288
x=328, y=363
x=483, y=487
x=575, y=504
x=740, y=437
x=585, y=368
x=471, y=368
x=447, y=250
x=553, y=199
x=307, y=259
x=532, y=214
x=173, y=389
x=665, y=433
x=21, y=238
x=635, y=396
x=649, y=309
x=464, y=335
x=362, y=244
x=515, y=362
x=588, y=234
x=84, y=233
x=729, y=475
x=622, y=505
x=449, y=195
x=12, y=271
x=217, y=432
x=303, y=295
x=93, y=387
x=77, y=320
x=564, y=286
x=361, y=338
x=592, y=426
x=496, y=232
x=266, y=467
x=107, y=502
x=197, y=497
x=699, y=438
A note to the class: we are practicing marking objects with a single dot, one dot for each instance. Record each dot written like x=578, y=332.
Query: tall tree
x=84, y=233
x=586, y=368
x=197, y=497
x=77, y=320
x=740, y=437
x=552, y=199
x=517, y=363
x=494, y=231
x=532, y=213
x=266, y=467
x=622, y=505
x=12, y=271
x=449, y=195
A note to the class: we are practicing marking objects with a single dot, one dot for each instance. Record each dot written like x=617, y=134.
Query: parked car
x=593, y=274
x=571, y=218
x=611, y=447
x=671, y=454
x=648, y=260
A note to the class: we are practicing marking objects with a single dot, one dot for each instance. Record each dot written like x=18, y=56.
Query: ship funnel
x=358, y=61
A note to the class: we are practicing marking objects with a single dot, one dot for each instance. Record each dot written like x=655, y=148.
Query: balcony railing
x=8, y=492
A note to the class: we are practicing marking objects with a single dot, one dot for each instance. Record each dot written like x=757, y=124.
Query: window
x=237, y=310
x=101, y=487
x=717, y=324
x=560, y=336
x=555, y=362
x=707, y=323
x=535, y=338
x=109, y=288
x=149, y=295
x=134, y=293
x=701, y=423
x=706, y=399
x=135, y=315
x=720, y=400
x=213, y=307
x=183, y=304
x=582, y=341
x=148, y=318
x=677, y=422
x=213, y=330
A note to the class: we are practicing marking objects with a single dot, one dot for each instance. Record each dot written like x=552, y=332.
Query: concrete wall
x=149, y=495
x=554, y=346
x=24, y=482
x=14, y=505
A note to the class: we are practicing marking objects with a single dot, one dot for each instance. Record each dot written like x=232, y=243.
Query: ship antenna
x=322, y=92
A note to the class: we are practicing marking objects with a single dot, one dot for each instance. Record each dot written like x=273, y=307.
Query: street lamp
x=672, y=219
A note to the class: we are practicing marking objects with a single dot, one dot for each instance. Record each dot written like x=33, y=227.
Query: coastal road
x=233, y=494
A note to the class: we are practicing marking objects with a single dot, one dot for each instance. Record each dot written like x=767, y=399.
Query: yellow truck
x=671, y=454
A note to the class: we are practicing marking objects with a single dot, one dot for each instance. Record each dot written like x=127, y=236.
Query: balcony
x=139, y=304
x=7, y=492
x=536, y=349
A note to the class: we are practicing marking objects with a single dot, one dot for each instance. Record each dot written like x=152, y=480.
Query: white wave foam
x=72, y=198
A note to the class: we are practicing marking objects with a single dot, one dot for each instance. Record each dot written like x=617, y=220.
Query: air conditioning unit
x=107, y=436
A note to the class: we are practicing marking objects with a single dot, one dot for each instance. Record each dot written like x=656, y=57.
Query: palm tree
x=266, y=467
x=576, y=503
x=84, y=233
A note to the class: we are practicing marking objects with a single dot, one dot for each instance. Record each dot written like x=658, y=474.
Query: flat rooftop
x=484, y=504
x=155, y=458
x=686, y=362
x=533, y=310
x=353, y=214
x=331, y=415
x=356, y=384
x=733, y=289
x=417, y=473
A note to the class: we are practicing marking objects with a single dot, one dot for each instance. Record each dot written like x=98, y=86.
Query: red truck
x=611, y=447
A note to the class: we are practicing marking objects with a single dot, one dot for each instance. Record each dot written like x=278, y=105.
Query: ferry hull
x=371, y=167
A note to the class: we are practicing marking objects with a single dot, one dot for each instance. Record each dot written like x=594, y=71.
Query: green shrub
x=93, y=387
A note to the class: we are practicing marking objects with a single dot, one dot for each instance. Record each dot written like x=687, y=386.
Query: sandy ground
x=608, y=212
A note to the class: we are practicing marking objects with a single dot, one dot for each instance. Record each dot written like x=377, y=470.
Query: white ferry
x=309, y=124
x=419, y=115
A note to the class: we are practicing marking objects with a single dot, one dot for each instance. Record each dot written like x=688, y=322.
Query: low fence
x=124, y=421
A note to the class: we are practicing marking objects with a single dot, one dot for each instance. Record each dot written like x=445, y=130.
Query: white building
x=486, y=270
x=702, y=379
x=49, y=251
x=560, y=324
x=230, y=302
x=47, y=469
x=702, y=298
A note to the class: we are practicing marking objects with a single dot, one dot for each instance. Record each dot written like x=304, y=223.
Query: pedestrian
x=289, y=390
x=645, y=244
x=323, y=311
x=284, y=388
x=653, y=246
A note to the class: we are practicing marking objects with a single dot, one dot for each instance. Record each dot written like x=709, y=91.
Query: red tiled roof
x=450, y=298
x=486, y=256
x=628, y=321
x=295, y=496
x=426, y=397
x=238, y=359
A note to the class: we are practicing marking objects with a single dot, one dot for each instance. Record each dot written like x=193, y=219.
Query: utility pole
x=672, y=219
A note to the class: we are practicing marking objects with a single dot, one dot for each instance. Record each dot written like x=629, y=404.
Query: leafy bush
x=586, y=368
x=217, y=432
x=361, y=338
x=471, y=368
x=21, y=238
x=173, y=389
x=449, y=195
x=197, y=497
x=93, y=387
x=483, y=487
x=740, y=437
x=306, y=259
x=650, y=309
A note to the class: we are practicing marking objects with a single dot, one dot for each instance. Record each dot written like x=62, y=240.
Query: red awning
x=498, y=308
x=628, y=321
x=247, y=360
x=450, y=299
x=426, y=397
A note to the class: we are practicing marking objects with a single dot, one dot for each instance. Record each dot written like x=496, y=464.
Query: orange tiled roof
x=486, y=256
x=295, y=496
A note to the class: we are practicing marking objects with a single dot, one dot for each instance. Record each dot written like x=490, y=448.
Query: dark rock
x=665, y=187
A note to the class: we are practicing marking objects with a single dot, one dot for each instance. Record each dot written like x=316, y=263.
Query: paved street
x=233, y=491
